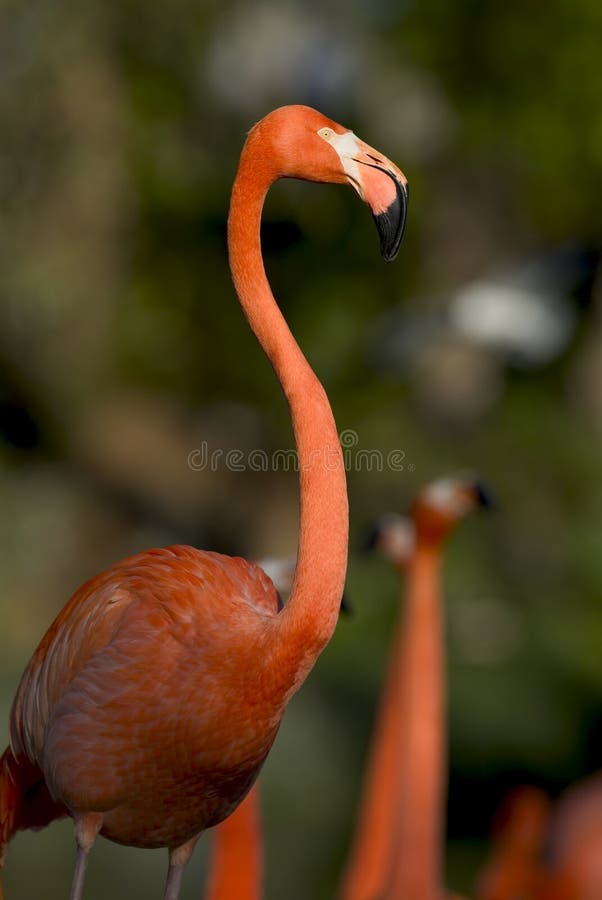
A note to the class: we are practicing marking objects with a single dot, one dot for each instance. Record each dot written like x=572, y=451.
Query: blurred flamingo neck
x=374, y=847
x=236, y=861
x=310, y=616
x=423, y=745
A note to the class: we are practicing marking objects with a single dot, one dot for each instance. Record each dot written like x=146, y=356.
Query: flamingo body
x=155, y=696
x=121, y=703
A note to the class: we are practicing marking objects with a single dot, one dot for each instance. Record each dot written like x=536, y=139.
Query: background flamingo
x=236, y=861
x=152, y=701
x=398, y=843
x=574, y=841
x=545, y=851
x=515, y=865
x=373, y=847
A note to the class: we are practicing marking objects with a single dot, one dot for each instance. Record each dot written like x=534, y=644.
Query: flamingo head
x=302, y=143
x=443, y=503
x=394, y=538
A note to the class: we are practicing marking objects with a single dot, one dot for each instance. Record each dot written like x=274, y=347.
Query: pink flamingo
x=398, y=842
x=514, y=867
x=570, y=832
x=151, y=703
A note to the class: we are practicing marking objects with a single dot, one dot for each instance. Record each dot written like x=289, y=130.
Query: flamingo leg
x=81, y=864
x=178, y=860
x=86, y=830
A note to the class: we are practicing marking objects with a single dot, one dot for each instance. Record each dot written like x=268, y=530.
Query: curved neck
x=236, y=861
x=418, y=868
x=310, y=616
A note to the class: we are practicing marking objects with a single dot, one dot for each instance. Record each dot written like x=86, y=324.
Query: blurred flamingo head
x=444, y=503
x=393, y=536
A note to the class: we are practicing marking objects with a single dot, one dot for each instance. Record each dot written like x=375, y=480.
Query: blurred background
x=122, y=350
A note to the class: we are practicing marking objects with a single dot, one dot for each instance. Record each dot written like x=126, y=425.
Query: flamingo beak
x=380, y=184
x=392, y=222
x=385, y=189
x=475, y=494
x=482, y=495
x=371, y=539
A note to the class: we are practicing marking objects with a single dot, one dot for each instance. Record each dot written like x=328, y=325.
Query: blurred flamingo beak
x=476, y=493
x=482, y=495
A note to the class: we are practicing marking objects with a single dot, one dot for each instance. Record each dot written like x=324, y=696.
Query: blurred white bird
x=525, y=314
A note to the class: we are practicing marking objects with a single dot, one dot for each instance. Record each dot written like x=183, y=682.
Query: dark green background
x=122, y=348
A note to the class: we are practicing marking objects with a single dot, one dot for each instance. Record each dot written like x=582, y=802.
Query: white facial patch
x=347, y=147
x=397, y=539
x=444, y=494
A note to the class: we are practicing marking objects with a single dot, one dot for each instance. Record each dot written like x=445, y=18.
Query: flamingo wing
x=133, y=650
x=85, y=625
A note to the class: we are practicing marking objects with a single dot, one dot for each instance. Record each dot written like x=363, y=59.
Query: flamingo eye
x=326, y=133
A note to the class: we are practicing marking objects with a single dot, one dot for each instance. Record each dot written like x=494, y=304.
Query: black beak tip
x=392, y=222
x=483, y=496
x=370, y=540
x=346, y=608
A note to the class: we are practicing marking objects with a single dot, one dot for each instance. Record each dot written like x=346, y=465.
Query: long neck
x=374, y=845
x=236, y=861
x=418, y=867
x=310, y=616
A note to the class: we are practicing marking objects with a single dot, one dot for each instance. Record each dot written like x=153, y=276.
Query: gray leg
x=178, y=860
x=174, y=882
x=86, y=830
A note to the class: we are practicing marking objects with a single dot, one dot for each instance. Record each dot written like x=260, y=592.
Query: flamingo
x=152, y=701
x=575, y=842
x=396, y=851
x=570, y=833
x=514, y=867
